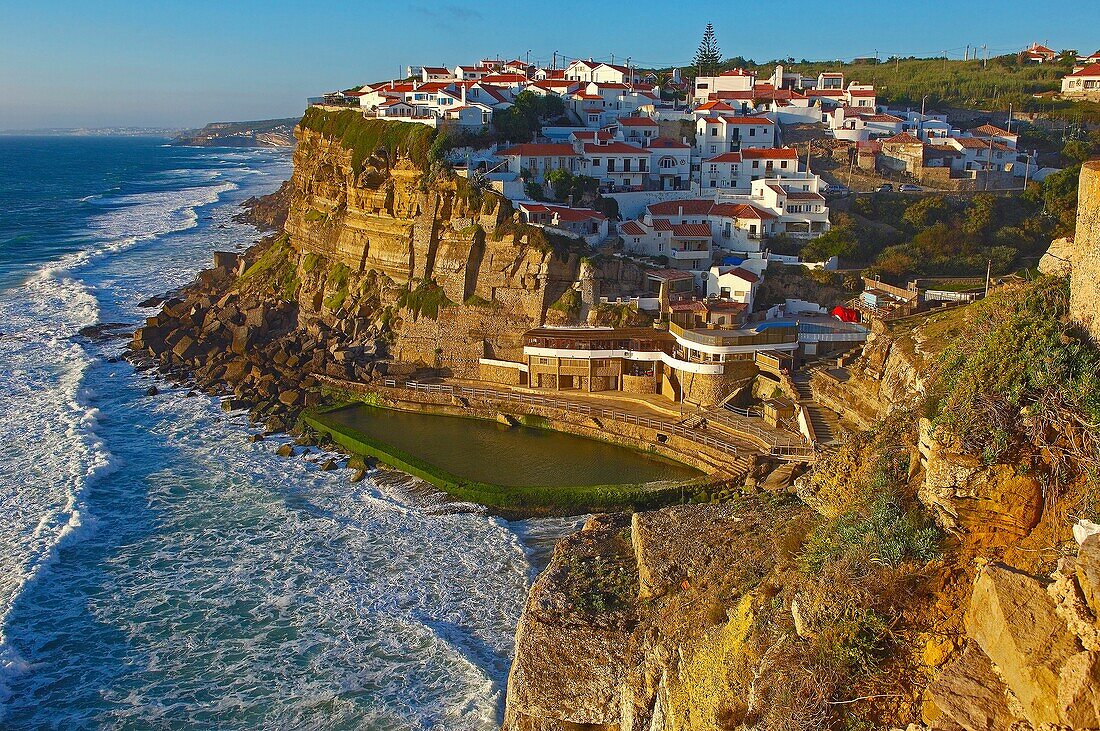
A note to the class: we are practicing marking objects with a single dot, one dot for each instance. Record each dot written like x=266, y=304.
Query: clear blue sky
x=183, y=63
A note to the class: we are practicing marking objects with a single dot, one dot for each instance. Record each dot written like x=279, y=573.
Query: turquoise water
x=156, y=569
x=485, y=451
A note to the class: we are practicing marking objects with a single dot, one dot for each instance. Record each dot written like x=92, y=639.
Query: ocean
x=158, y=570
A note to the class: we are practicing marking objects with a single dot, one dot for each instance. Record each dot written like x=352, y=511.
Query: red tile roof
x=903, y=138
x=742, y=273
x=1093, y=69
x=632, y=228
x=770, y=153
x=726, y=157
x=662, y=224
x=988, y=130
x=613, y=148
x=701, y=207
x=747, y=120
x=637, y=122
x=861, y=92
x=540, y=149
x=691, y=231
x=504, y=78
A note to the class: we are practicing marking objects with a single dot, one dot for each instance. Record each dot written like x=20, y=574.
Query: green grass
x=426, y=299
x=276, y=270
x=364, y=137
x=533, y=500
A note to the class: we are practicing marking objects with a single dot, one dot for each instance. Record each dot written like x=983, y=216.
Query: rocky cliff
x=384, y=260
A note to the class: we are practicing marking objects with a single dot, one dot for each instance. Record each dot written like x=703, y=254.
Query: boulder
x=1058, y=259
x=1088, y=572
x=1079, y=691
x=994, y=504
x=969, y=692
x=285, y=450
x=1014, y=621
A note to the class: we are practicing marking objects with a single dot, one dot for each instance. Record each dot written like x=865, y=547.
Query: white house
x=615, y=164
x=470, y=73
x=435, y=73
x=669, y=164
x=609, y=73
x=860, y=95
x=737, y=170
x=859, y=124
x=732, y=283
x=1083, y=82
x=585, y=223
x=715, y=135
x=580, y=70
x=536, y=159
x=638, y=130
x=735, y=80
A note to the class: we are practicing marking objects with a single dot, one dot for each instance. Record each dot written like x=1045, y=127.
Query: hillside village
x=692, y=179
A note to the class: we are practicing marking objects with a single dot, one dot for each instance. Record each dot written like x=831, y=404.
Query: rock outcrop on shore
x=382, y=262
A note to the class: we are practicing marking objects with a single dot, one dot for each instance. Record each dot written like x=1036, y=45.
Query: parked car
x=838, y=190
x=885, y=188
x=910, y=188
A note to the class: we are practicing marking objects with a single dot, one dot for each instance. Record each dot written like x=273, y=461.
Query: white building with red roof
x=734, y=80
x=732, y=284
x=639, y=130
x=1083, y=82
x=534, y=160
x=1038, y=53
x=715, y=135
x=735, y=171
x=580, y=70
x=617, y=165
x=859, y=124
x=583, y=223
x=435, y=73
x=669, y=164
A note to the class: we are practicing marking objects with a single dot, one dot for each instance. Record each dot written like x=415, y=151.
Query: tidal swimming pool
x=516, y=456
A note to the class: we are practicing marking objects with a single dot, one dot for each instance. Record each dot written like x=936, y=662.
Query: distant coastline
x=260, y=133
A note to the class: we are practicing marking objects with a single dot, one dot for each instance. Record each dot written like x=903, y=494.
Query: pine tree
x=709, y=56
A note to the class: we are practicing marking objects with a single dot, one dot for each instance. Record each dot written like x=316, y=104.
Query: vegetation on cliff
x=364, y=137
x=1019, y=379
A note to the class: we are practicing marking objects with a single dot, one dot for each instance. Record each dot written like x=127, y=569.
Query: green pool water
x=519, y=456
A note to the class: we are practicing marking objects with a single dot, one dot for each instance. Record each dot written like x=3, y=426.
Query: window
x=714, y=183
x=626, y=165
x=666, y=163
x=783, y=164
x=755, y=165
x=714, y=148
x=642, y=164
x=713, y=131
x=595, y=162
x=610, y=165
x=752, y=131
x=714, y=168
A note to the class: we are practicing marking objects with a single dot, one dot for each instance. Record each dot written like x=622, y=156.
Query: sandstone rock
x=290, y=398
x=1088, y=572
x=285, y=450
x=328, y=465
x=971, y=694
x=1079, y=691
x=255, y=437
x=995, y=504
x=1014, y=621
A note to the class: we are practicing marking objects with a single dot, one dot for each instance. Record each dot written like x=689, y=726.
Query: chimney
x=463, y=87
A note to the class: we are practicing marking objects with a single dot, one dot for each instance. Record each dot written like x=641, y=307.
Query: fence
x=775, y=444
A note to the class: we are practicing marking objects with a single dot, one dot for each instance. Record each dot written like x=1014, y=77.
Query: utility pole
x=988, y=271
x=555, y=64
x=966, y=54
x=985, y=55
x=1009, y=128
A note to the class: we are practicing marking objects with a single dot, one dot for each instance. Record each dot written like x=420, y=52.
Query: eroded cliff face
x=413, y=228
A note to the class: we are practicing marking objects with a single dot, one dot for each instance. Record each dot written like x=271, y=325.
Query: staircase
x=825, y=423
